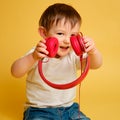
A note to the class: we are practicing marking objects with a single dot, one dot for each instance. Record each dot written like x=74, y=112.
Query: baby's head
x=60, y=21
x=56, y=12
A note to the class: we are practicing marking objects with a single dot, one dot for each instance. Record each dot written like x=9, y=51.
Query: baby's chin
x=60, y=55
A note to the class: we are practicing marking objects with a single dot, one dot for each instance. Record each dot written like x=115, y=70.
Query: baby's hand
x=40, y=50
x=89, y=45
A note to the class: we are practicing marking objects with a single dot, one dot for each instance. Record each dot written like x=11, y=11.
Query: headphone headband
x=67, y=85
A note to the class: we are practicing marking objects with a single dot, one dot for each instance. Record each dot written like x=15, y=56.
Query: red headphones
x=79, y=48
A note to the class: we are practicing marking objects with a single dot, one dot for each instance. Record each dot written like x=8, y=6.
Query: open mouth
x=64, y=48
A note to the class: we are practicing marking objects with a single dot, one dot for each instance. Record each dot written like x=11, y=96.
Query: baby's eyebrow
x=60, y=29
x=74, y=33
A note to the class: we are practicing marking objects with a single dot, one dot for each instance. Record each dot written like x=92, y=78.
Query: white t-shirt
x=56, y=70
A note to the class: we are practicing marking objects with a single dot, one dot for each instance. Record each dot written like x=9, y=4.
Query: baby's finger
x=41, y=44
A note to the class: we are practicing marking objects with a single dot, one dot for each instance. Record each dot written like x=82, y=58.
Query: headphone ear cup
x=77, y=44
x=52, y=46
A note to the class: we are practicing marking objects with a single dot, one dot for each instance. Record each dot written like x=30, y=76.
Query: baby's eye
x=73, y=34
x=60, y=33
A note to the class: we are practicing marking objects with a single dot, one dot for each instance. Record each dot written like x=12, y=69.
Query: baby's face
x=63, y=31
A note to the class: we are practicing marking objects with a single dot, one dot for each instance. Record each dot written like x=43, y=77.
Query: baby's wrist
x=35, y=58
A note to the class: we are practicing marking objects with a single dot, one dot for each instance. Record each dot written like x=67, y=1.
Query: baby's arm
x=93, y=53
x=21, y=66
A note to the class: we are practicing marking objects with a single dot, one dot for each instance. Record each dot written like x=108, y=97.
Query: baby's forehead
x=65, y=21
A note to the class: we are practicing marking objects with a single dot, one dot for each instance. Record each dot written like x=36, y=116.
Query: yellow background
x=100, y=96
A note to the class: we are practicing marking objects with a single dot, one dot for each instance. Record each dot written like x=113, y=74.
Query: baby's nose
x=67, y=40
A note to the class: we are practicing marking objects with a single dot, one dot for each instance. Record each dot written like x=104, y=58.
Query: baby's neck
x=57, y=56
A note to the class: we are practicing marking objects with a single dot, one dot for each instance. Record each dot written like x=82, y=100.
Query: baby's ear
x=42, y=32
